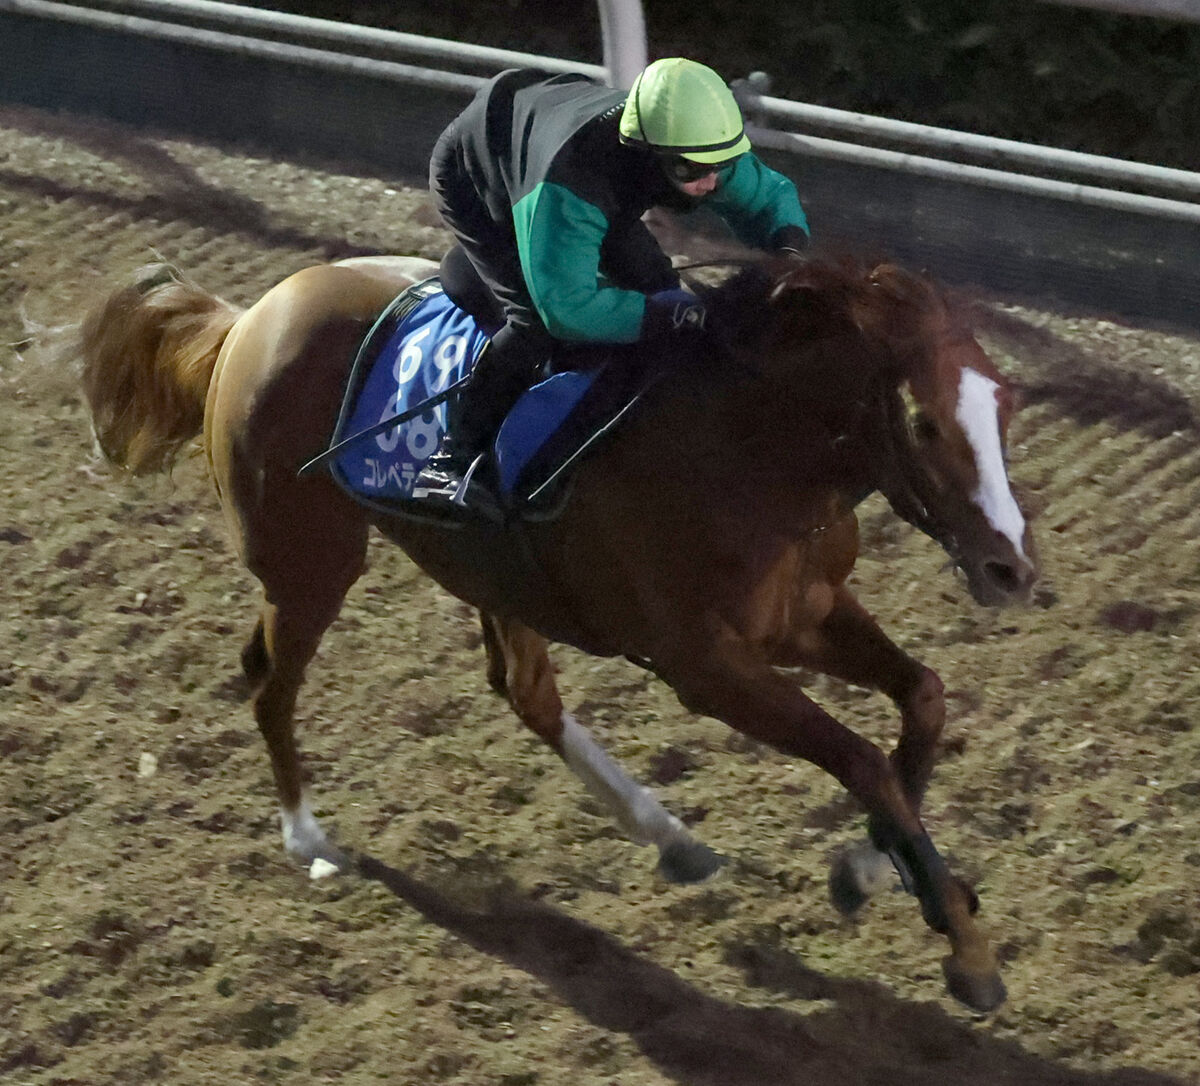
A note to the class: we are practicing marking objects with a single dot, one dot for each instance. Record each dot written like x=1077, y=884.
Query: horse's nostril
x=1003, y=575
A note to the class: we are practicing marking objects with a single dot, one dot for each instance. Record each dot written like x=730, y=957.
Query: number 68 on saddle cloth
x=431, y=348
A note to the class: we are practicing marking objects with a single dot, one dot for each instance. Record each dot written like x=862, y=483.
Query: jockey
x=544, y=180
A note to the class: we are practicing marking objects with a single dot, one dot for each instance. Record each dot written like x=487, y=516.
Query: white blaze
x=978, y=415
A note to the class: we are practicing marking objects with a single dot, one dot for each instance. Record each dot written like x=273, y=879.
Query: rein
x=728, y=262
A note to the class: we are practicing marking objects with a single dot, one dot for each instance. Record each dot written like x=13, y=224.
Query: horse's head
x=927, y=411
x=947, y=411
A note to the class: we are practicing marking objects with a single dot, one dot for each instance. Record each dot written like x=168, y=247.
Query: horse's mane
x=885, y=303
x=843, y=322
x=807, y=360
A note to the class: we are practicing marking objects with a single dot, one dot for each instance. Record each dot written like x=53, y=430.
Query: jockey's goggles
x=684, y=170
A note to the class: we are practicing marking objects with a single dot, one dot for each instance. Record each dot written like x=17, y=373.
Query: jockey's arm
x=760, y=205
x=558, y=238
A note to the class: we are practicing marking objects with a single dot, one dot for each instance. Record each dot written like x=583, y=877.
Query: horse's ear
x=904, y=286
x=897, y=304
x=790, y=289
x=801, y=303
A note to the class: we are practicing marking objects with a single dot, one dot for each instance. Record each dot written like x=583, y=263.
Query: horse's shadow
x=1087, y=386
x=698, y=1040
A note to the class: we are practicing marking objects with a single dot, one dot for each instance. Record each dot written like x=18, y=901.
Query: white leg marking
x=978, y=416
x=302, y=833
x=635, y=808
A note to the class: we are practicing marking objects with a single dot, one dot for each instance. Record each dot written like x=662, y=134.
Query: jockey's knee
x=465, y=287
x=511, y=363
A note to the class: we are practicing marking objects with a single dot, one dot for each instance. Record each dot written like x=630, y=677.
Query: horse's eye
x=924, y=427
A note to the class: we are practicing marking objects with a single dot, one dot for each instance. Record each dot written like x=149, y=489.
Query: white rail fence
x=1089, y=229
x=1177, y=10
x=779, y=119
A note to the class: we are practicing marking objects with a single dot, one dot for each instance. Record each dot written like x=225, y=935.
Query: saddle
x=412, y=362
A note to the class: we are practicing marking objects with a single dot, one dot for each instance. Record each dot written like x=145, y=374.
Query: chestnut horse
x=708, y=539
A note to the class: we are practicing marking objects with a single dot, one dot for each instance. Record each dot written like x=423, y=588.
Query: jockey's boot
x=450, y=473
x=460, y=467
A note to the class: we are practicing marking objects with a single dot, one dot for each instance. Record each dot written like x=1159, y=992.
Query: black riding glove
x=790, y=241
x=671, y=312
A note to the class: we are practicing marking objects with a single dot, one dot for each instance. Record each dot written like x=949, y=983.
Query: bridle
x=910, y=490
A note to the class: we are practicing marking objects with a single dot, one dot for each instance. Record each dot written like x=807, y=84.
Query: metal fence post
x=624, y=30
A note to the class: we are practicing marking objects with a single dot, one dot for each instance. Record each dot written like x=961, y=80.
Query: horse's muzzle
x=1000, y=580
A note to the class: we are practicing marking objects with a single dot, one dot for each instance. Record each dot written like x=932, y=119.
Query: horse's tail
x=149, y=351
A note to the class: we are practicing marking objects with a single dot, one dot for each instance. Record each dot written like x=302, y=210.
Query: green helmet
x=679, y=107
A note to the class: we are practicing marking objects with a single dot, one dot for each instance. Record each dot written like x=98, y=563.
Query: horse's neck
x=824, y=405
x=755, y=445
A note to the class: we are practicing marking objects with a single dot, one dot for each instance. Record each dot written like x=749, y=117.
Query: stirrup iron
x=459, y=497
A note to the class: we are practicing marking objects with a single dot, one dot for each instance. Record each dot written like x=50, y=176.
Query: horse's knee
x=924, y=704
x=871, y=778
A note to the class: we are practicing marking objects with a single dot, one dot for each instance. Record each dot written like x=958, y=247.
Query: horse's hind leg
x=306, y=553
x=278, y=383
x=520, y=667
x=290, y=642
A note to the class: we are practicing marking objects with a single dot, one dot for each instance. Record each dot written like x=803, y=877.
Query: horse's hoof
x=844, y=891
x=688, y=861
x=982, y=992
x=855, y=876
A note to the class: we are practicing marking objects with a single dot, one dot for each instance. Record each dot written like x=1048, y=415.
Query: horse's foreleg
x=255, y=662
x=497, y=666
x=849, y=645
x=528, y=680
x=732, y=682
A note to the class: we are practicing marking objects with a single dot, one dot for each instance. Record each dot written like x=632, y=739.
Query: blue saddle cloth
x=539, y=415
x=414, y=353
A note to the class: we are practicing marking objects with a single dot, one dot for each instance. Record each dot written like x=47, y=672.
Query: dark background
x=1116, y=85
x=1125, y=86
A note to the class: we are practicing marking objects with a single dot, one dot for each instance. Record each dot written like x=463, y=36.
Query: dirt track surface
x=152, y=929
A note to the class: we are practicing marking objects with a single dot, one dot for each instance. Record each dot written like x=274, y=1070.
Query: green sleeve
x=558, y=239
x=756, y=201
